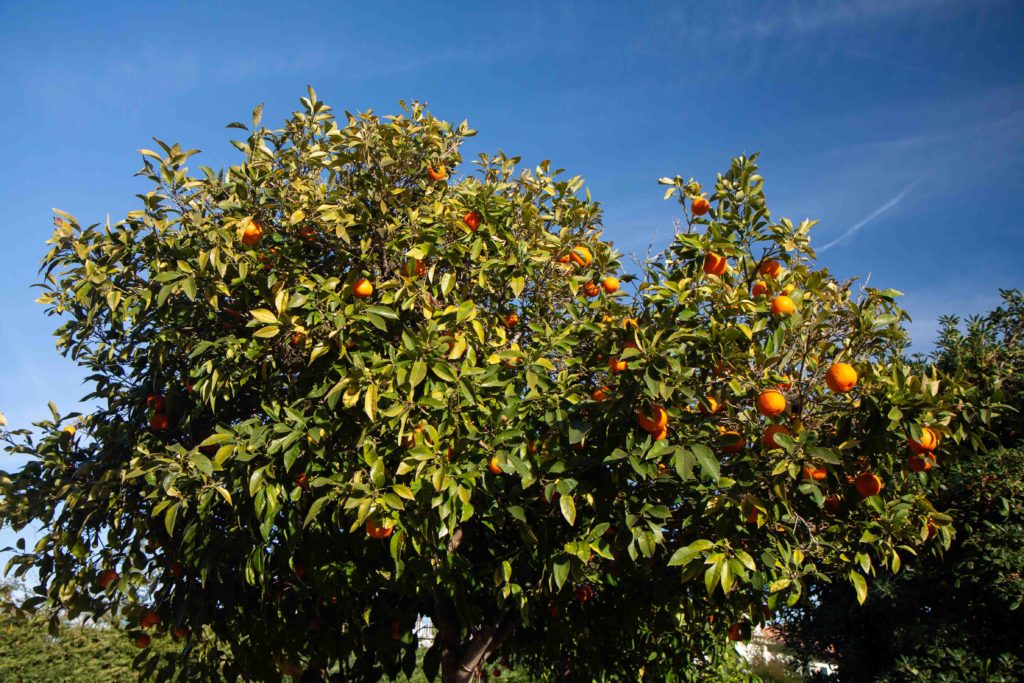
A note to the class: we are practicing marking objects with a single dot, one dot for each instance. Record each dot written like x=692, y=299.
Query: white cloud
x=855, y=228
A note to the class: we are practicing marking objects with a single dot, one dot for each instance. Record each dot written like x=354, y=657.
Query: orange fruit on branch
x=815, y=473
x=771, y=402
x=783, y=305
x=867, y=484
x=759, y=289
x=770, y=268
x=511, y=320
x=841, y=378
x=730, y=442
x=149, y=619
x=610, y=284
x=494, y=466
x=362, y=288
x=415, y=268
x=439, y=173
x=715, y=264
x=108, y=577
x=591, y=289
x=929, y=441
x=472, y=219
x=581, y=256
x=654, y=421
x=374, y=529
x=252, y=234
x=142, y=641
x=921, y=463
x=159, y=422
x=156, y=402
x=768, y=439
x=700, y=206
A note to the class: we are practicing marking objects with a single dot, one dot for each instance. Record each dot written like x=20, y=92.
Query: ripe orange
x=768, y=439
x=415, y=268
x=610, y=284
x=584, y=593
x=730, y=442
x=867, y=484
x=180, y=632
x=494, y=466
x=298, y=337
x=616, y=366
x=815, y=473
x=440, y=173
x=661, y=434
x=600, y=394
x=307, y=233
x=771, y=268
x=715, y=264
x=142, y=641
x=929, y=440
x=159, y=422
x=709, y=406
x=375, y=530
x=149, y=619
x=655, y=421
x=472, y=220
x=736, y=632
x=252, y=234
x=700, y=206
x=581, y=256
x=832, y=504
x=759, y=289
x=771, y=402
x=362, y=288
x=511, y=320
x=302, y=481
x=783, y=305
x=591, y=289
x=156, y=402
x=841, y=378
x=108, y=577
x=785, y=384
x=921, y=463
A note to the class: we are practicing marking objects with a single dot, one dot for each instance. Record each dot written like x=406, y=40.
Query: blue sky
x=898, y=123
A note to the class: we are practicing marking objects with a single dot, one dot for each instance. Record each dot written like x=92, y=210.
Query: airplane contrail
x=853, y=229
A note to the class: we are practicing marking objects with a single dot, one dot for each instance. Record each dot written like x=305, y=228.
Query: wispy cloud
x=855, y=228
x=803, y=18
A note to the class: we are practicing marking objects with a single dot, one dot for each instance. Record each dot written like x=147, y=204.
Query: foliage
x=989, y=354
x=954, y=616
x=294, y=465
x=80, y=652
x=957, y=618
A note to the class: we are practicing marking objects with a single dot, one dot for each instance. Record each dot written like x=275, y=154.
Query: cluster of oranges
x=923, y=457
x=158, y=421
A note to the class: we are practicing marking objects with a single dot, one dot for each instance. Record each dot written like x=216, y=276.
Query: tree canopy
x=340, y=385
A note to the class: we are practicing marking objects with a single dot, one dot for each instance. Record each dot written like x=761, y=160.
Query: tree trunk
x=462, y=661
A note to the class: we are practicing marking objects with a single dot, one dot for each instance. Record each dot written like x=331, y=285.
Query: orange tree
x=337, y=388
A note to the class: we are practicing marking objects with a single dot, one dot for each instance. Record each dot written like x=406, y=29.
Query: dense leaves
x=338, y=386
x=955, y=616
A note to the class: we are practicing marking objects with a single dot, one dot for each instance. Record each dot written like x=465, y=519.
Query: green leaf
x=708, y=463
x=859, y=585
x=314, y=510
x=560, y=570
x=264, y=316
x=568, y=508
